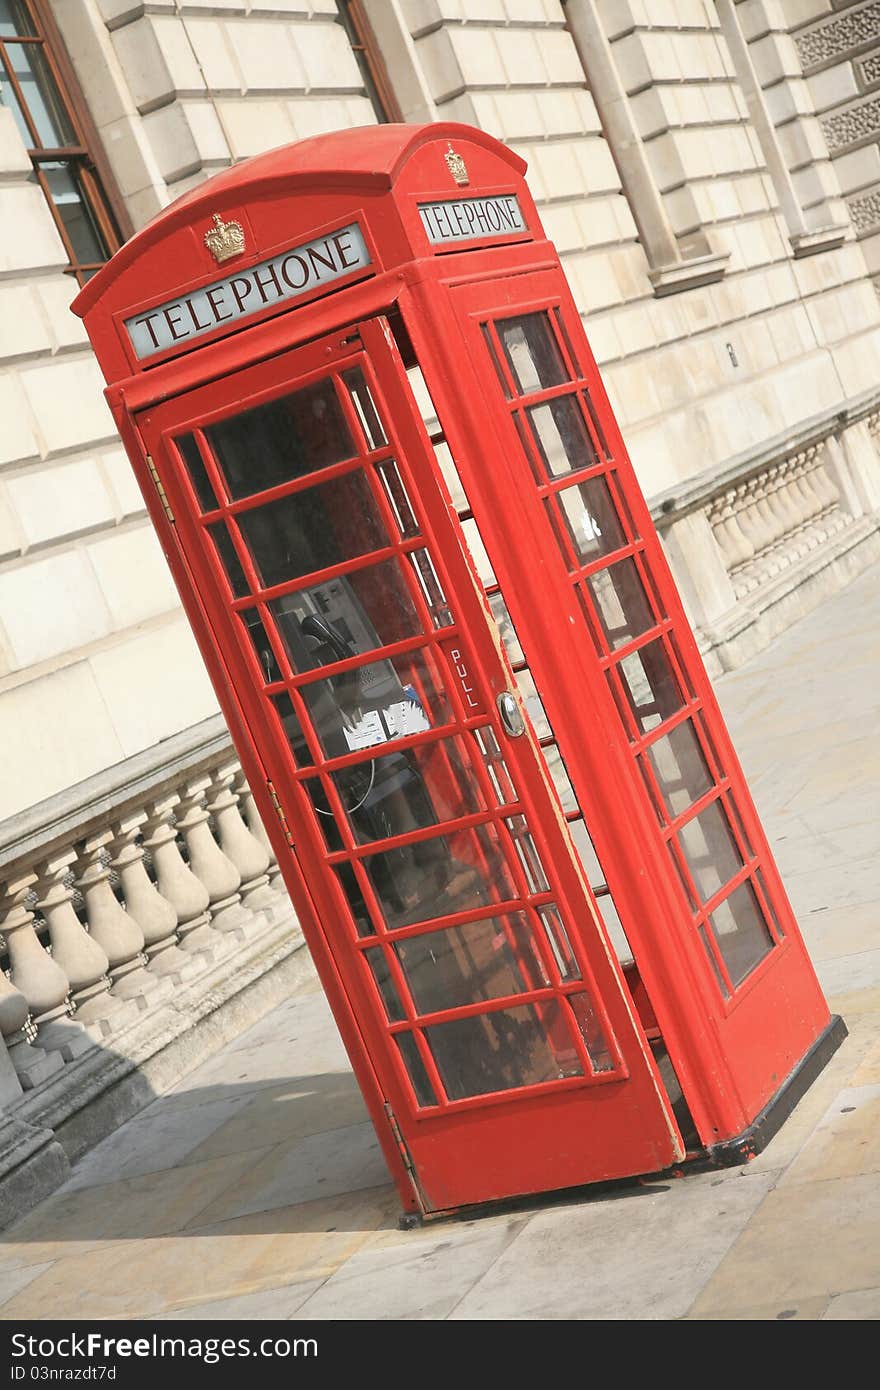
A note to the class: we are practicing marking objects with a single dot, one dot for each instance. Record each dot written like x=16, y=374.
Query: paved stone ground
x=256, y=1188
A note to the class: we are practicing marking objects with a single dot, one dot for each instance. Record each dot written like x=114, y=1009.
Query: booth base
x=752, y=1141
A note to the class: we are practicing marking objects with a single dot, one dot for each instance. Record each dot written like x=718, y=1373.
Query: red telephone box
x=375, y=445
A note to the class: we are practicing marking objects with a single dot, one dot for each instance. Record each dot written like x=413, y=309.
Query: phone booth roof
x=281, y=229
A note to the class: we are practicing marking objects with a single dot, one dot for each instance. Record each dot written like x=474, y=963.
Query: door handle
x=511, y=716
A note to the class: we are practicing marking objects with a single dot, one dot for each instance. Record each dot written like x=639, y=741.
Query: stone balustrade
x=132, y=909
x=756, y=543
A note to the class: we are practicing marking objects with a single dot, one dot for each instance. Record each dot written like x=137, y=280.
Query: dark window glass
x=621, y=602
x=464, y=965
x=532, y=353
x=281, y=441
x=649, y=685
x=433, y=878
x=741, y=932
x=590, y=518
x=523, y=1046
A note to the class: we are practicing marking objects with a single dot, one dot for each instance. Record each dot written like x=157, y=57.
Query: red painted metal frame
x=491, y=1145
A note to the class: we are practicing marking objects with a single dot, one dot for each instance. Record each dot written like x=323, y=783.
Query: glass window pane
x=590, y=518
x=66, y=191
x=387, y=988
x=649, y=685
x=741, y=932
x=496, y=767
x=346, y=616
x=506, y=629
x=431, y=588
x=528, y=854
x=467, y=964
x=556, y=768
x=421, y=1082
x=710, y=850
x=433, y=878
x=496, y=1052
x=534, y=706
x=587, y=854
x=621, y=602
x=532, y=352
x=399, y=792
x=14, y=19
x=195, y=467
x=392, y=483
x=592, y=1032
x=282, y=440
x=365, y=408
x=680, y=768
x=41, y=96
x=314, y=529
x=283, y=706
x=375, y=704
x=563, y=441
x=557, y=936
x=11, y=102
x=229, y=559
x=474, y=543
x=259, y=638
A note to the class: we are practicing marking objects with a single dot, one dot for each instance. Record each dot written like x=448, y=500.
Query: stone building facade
x=709, y=171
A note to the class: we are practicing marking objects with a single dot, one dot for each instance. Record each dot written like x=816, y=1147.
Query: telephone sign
x=407, y=534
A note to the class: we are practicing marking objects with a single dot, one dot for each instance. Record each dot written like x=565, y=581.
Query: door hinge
x=400, y=1141
x=279, y=812
x=160, y=489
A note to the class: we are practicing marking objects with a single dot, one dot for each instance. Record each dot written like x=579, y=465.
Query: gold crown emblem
x=456, y=165
x=225, y=239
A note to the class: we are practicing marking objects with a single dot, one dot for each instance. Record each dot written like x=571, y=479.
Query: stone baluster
x=735, y=547
x=45, y=983
x=208, y=862
x=774, y=526
x=80, y=956
x=812, y=503
x=176, y=881
x=32, y=1064
x=114, y=929
x=750, y=520
x=255, y=825
x=155, y=915
x=239, y=844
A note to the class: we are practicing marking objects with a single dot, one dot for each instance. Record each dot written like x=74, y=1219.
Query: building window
x=39, y=88
x=374, y=74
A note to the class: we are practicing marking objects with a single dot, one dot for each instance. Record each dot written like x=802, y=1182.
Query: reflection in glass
x=421, y=1082
x=532, y=353
x=591, y=519
x=506, y=629
x=496, y=767
x=710, y=851
x=398, y=497
x=387, y=988
x=498, y=1051
x=282, y=440
x=563, y=441
x=528, y=854
x=365, y=408
x=587, y=854
x=474, y=542
x=431, y=588
x=534, y=706
x=474, y=962
x=232, y=565
x=313, y=529
x=557, y=936
x=14, y=19
x=195, y=467
x=73, y=207
x=283, y=706
x=741, y=932
x=621, y=602
x=680, y=768
x=649, y=685
x=432, y=878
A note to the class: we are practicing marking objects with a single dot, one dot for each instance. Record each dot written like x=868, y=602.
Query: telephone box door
x=331, y=577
